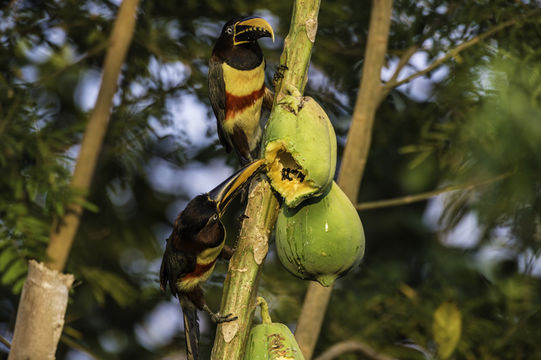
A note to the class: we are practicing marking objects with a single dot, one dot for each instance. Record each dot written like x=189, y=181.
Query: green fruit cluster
x=319, y=235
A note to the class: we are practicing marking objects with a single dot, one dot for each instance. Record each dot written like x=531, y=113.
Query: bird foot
x=243, y=217
x=218, y=318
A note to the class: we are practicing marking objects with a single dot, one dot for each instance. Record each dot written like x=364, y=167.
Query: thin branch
x=345, y=347
x=360, y=133
x=5, y=341
x=404, y=59
x=311, y=318
x=455, y=51
x=404, y=200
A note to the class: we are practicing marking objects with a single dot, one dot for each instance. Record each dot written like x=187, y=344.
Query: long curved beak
x=226, y=191
x=251, y=29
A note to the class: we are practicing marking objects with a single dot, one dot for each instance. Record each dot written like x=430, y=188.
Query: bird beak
x=251, y=29
x=226, y=191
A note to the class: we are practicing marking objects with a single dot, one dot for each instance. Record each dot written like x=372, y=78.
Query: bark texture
x=40, y=316
x=240, y=287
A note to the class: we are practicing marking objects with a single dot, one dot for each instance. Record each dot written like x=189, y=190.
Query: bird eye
x=229, y=30
x=212, y=219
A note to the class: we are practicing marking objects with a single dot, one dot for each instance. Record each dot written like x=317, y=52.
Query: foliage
x=475, y=120
x=33, y=158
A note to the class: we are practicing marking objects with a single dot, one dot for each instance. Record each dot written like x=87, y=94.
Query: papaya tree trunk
x=240, y=287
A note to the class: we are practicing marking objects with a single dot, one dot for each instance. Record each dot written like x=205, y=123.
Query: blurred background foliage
x=476, y=119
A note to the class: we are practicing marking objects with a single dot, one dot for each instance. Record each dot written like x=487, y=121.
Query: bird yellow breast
x=243, y=82
x=209, y=255
x=244, y=96
x=206, y=261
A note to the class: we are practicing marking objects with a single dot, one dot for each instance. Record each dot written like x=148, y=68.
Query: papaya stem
x=265, y=316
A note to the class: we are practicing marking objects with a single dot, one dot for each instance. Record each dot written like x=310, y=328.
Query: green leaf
x=18, y=286
x=91, y=207
x=7, y=256
x=447, y=327
x=105, y=282
x=59, y=208
x=14, y=272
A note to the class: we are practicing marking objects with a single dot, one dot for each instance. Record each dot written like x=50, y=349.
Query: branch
x=352, y=346
x=360, y=133
x=455, y=51
x=240, y=287
x=404, y=59
x=5, y=342
x=404, y=200
x=63, y=233
x=353, y=160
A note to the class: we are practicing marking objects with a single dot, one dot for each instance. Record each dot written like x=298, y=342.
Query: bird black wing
x=175, y=264
x=217, y=99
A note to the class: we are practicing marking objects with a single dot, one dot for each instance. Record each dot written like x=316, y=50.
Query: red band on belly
x=199, y=270
x=235, y=104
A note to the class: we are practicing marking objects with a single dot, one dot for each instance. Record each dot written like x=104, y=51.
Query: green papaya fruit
x=299, y=146
x=322, y=239
x=271, y=341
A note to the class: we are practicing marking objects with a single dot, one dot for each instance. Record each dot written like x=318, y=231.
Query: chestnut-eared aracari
x=236, y=82
x=196, y=242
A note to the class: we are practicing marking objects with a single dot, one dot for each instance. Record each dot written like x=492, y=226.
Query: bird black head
x=243, y=30
x=228, y=189
x=197, y=214
x=207, y=208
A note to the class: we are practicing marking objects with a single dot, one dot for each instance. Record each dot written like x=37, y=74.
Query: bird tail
x=191, y=328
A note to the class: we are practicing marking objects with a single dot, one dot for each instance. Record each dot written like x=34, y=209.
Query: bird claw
x=243, y=217
x=218, y=318
x=279, y=74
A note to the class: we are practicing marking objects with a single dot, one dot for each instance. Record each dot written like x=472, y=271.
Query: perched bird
x=196, y=242
x=236, y=82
